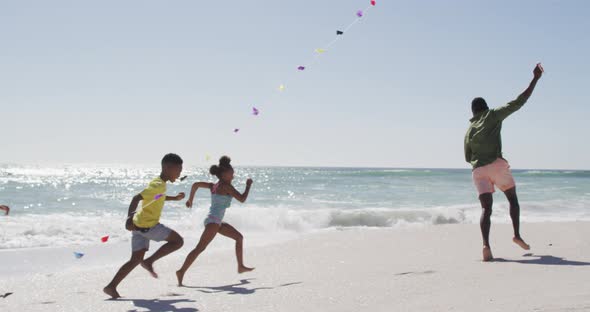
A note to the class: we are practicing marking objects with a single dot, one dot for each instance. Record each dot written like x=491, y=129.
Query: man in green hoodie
x=483, y=150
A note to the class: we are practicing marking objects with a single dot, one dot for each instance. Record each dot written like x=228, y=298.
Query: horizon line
x=275, y=166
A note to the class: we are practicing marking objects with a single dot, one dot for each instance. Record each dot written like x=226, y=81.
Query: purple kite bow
x=255, y=111
x=359, y=13
x=301, y=68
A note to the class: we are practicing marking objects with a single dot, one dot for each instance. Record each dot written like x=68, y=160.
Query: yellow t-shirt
x=151, y=208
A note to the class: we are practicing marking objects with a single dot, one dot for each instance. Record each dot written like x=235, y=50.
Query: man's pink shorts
x=497, y=173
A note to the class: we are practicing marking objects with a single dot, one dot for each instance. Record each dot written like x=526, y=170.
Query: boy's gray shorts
x=140, y=240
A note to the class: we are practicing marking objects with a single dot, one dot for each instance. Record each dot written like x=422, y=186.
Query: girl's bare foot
x=149, y=268
x=487, y=254
x=243, y=269
x=179, y=277
x=518, y=241
x=111, y=291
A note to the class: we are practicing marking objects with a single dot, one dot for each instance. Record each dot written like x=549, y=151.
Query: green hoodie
x=483, y=141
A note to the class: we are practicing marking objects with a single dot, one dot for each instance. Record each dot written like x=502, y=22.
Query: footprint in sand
x=416, y=273
x=172, y=295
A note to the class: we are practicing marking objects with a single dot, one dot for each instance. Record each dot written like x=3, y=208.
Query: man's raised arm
x=504, y=111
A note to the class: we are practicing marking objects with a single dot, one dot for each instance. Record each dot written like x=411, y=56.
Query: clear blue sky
x=127, y=81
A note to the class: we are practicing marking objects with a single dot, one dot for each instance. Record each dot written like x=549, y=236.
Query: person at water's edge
x=483, y=150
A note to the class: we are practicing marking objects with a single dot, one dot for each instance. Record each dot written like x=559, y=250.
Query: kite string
x=327, y=46
x=142, y=207
x=156, y=198
x=347, y=28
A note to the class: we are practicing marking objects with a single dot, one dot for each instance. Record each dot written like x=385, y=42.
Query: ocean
x=71, y=205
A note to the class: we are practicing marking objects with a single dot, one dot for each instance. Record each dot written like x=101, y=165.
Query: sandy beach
x=425, y=268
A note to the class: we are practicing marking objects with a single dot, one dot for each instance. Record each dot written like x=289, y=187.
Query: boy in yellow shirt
x=144, y=223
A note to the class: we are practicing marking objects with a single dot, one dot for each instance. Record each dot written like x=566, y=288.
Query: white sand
x=418, y=269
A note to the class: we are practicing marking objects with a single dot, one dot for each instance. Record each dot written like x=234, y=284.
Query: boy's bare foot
x=487, y=254
x=518, y=241
x=243, y=269
x=111, y=291
x=149, y=268
x=179, y=277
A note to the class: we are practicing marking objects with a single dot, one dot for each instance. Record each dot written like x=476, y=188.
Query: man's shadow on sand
x=544, y=260
x=159, y=305
x=236, y=289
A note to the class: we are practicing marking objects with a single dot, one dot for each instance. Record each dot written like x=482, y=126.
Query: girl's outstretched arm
x=242, y=197
x=196, y=186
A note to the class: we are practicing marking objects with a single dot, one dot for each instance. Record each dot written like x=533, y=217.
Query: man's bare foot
x=149, y=268
x=518, y=241
x=179, y=277
x=243, y=269
x=111, y=291
x=487, y=254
